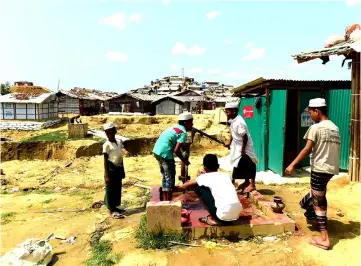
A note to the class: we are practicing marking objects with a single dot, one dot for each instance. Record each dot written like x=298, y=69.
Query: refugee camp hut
x=83, y=101
x=132, y=103
x=277, y=117
x=193, y=101
x=168, y=105
x=28, y=102
x=350, y=49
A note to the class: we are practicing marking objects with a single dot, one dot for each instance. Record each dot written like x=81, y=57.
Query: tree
x=5, y=88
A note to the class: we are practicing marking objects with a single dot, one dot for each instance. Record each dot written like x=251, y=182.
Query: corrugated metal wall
x=257, y=129
x=339, y=112
x=276, y=140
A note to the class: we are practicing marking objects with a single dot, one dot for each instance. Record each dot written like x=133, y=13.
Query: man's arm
x=227, y=145
x=177, y=151
x=188, y=184
x=306, y=150
x=106, y=174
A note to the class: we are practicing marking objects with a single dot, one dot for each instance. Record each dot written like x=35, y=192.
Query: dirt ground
x=34, y=213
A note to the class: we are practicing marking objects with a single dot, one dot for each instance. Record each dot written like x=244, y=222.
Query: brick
x=164, y=215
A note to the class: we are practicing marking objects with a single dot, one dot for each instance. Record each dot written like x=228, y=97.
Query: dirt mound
x=46, y=150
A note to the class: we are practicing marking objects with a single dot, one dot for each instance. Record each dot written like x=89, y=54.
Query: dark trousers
x=113, y=190
x=246, y=169
x=315, y=202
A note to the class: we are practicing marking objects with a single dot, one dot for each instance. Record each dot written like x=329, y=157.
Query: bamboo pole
x=354, y=160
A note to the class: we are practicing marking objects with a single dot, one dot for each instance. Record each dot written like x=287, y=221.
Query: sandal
x=121, y=211
x=206, y=221
x=315, y=243
x=116, y=215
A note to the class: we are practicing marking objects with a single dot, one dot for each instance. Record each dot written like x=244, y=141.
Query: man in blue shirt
x=171, y=141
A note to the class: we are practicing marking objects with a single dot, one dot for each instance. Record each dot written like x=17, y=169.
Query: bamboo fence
x=354, y=160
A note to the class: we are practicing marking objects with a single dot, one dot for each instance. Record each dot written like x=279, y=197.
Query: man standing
x=323, y=141
x=243, y=157
x=171, y=141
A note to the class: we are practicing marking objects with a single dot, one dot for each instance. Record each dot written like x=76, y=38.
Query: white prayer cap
x=317, y=102
x=232, y=105
x=185, y=116
x=108, y=125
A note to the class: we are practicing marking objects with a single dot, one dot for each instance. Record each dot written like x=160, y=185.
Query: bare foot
x=250, y=188
x=319, y=242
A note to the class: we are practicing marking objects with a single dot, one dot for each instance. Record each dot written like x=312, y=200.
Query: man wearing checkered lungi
x=323, y=141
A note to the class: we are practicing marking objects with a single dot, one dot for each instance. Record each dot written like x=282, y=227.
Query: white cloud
x=195, y=70
x=117, y=57
x=174, y=66
x=135, y=17
x=214, y=14
x=254, y=53
x=214, y=71
x=353, y=2
x=120, y=20
x=249, y=45
x=227, y=41
x=180, y=48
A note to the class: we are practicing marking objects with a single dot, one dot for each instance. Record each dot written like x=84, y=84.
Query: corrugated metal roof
x=343, y=48
x=85, y=94
x=10, y=98
x=248, y=87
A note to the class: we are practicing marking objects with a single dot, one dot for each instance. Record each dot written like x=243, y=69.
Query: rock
x=57, y=189
x=270, y=239
x=4, y=182
x=73, y=189
x=15, y=189
x=340, y=213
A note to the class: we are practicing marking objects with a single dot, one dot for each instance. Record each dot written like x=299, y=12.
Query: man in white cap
x=243, y=156
x=169, y=142
x=323, y=141
x=113, y=171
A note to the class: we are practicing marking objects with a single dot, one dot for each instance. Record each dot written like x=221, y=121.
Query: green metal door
x=305, y=97
x=257, y=128
x=339, y=112
x=277, y=119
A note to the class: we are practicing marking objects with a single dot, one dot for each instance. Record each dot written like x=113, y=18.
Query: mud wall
x=47, y=150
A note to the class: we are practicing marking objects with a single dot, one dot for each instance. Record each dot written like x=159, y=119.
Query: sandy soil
x=34, y=214
x=30, y=219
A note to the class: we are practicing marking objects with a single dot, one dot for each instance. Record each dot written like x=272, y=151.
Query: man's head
x=317, y=108
x=210, y=163
x=110, y=130
x=186, y=120
x=231, y=110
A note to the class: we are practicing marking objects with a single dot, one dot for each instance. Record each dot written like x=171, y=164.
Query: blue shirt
x=164, y=147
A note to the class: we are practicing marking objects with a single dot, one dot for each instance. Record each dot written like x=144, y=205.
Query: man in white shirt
x=243, y=157
x=217, y=193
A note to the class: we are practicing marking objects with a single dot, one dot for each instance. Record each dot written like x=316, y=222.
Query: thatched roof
x=28, y=92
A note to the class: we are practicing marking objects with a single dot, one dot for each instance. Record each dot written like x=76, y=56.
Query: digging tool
x=195, y=130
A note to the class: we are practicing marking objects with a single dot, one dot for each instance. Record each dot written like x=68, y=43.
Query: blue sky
x=115, y=45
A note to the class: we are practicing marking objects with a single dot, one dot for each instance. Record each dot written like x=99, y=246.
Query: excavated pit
x=65, y=150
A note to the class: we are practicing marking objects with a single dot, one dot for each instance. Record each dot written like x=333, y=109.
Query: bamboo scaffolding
x=354, y=160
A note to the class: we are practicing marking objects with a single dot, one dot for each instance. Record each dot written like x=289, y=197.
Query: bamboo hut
x=350, y=49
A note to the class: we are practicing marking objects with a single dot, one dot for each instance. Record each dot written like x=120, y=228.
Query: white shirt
x=238, y=129
x=224, y=194
x=114, y=151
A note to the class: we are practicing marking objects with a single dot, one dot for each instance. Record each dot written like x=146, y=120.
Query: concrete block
x=164, y=215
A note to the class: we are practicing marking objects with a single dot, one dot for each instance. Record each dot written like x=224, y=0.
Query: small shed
x=168, y=105
x=18, y=106
x=133, y=102
x=275, y=112
x=83, y=101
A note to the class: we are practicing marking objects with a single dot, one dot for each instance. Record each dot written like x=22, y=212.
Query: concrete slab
x=257, y=218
